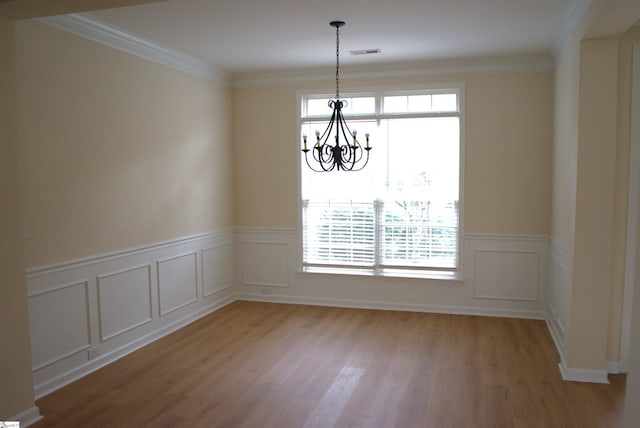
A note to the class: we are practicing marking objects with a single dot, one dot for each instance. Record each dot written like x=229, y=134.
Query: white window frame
x=380, y=92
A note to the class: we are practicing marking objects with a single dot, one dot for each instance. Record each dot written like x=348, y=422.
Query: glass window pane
x=395, y=104
x=347, y=106
x=432, y=169
x=318, y=107
x=445, y=102
x=419, y=103
x=363, y=105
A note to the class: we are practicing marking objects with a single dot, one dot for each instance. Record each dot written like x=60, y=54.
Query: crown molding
x=116, y=38
x=575, y=14
x=489, y=65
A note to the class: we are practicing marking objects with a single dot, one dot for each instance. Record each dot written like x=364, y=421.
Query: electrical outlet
x=94, y=352
x=266, y=291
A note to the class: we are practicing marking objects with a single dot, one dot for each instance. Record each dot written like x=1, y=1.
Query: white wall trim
x=106, y=34
x=557, y=289
x=130, y=326
x=559, y=253
x=159, y=263
x=227, y=284
x=354, y=292
x=507, y=237
x=555, y=328
x=390, y=306
x=574, y=15
x=103, y=336
x=27, y=417
x=582, y=375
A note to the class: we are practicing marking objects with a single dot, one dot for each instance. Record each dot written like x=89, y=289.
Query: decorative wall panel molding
x=124, y=301
x=507, y=267
x=508, y=275
x=59, y=322
x=217, y=268
x=177, y=282
x=88, y=312
x=558, y=292
x=79, y=323
x=505, y=275
x=266, y=263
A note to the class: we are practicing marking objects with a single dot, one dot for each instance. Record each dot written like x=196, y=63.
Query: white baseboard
x=27, y=417
x=556, y=331
x=582, y=375
x=369, y=304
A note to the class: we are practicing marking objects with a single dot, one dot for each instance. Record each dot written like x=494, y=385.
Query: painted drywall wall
x=16, y=387
x=565, y=137
x=593, y=242
x=625, y=50
x=507, y=172
x=590, y=180
x=116, y=151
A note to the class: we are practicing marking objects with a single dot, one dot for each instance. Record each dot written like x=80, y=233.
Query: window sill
x=450, y=277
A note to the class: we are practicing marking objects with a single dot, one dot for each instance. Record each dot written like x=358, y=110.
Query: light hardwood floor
x=272, y=365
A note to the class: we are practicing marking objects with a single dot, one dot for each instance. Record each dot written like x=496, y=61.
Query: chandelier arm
x=311, y=167
x=354, y=148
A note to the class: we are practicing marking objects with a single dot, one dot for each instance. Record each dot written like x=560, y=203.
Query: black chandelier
x=348, y=156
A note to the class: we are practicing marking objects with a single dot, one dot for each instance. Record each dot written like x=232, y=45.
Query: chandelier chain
x=337, y=63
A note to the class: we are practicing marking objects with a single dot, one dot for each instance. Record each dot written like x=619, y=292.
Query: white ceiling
x=260, y=35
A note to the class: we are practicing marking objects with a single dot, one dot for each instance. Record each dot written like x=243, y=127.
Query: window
x=401, y=213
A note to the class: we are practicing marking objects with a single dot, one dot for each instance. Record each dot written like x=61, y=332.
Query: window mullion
x=378, y=210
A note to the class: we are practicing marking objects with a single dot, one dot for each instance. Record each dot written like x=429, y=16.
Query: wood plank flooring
x=271, y=365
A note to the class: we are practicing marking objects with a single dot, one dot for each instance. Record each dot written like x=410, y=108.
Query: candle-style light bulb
x=304, y=137
x=367, y=137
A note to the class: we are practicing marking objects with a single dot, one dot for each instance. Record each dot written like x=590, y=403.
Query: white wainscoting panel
x=59, y=322
x=124, y=301
x=558, y=292
x=217, y=268
x=510, y=272
x=86, y=313
x=507, y=267
x=177, y=282
x=266, y=263
x=509, y=275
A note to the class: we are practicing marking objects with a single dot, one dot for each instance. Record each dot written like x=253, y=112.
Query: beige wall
x=586, y=345
x=621, y=187
x=16, y=387
x=116, y=151
x=507, y=151
x=590, y=177
x=565, y=137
